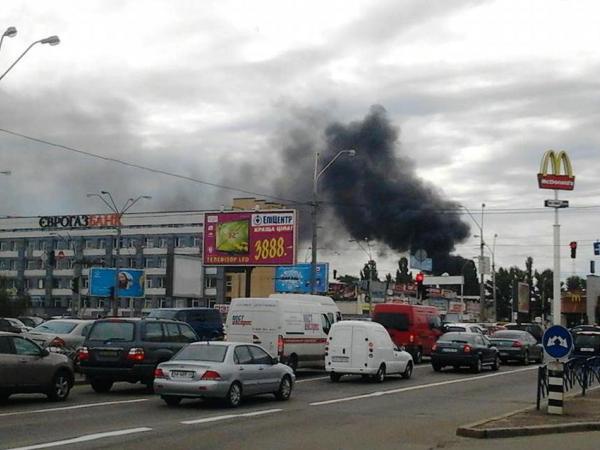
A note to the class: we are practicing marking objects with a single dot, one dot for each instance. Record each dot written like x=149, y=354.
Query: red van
x=415, y=327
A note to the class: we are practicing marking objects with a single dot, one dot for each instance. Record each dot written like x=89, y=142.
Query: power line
x=146, y=168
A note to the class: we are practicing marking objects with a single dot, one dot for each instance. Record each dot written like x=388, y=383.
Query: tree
x=576, y=283
x=402, y=274
x=457, y=265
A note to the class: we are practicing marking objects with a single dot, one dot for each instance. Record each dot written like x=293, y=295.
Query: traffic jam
x=261, y=348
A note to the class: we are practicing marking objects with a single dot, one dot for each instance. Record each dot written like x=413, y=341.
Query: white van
x=293, y=327
x=364, y=348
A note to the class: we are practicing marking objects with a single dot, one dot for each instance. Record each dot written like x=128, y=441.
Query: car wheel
x=335, y=377
x=234, y=395
x=496, y=364
x=171, y=400
x=526, y=359
x=437, y=367
x=101, y=386
x=478, y=366
x=293, y=363
x=285, y=389
x=408, y=371
x=380, y=375
x=61, y=386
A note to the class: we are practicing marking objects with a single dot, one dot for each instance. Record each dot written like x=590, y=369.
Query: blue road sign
x=557, y=342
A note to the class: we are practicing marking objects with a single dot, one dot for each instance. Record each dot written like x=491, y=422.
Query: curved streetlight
x=51, y=40
x=316, y=175
x=119, y=212
x=10, y=32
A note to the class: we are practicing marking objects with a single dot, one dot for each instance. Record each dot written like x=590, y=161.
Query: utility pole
x=483, y=313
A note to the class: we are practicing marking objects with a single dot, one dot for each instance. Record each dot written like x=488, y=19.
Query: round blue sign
x=557, y=342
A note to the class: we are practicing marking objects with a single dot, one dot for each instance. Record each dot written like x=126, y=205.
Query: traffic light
x=592, y=266
x=421, y=292
x=597, y=248
x=75, y=285
x=573, y=246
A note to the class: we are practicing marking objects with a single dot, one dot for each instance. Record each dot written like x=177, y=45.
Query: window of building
x=40, y=283
x=34, y=264
x=149, y=242
x=163, y=303
x=149, y=263
x=197, y=242
x=102, y=243
x=90, y=243
x=4, y=264
x=132, y=262
x=162, y=263
x=42, y=245
x=162, y=242
x=5, y=246
x=85, y=282
x=210, y=282
x=14, y=264
x=31, y=246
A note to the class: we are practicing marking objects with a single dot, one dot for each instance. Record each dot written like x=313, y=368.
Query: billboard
x=523, y=297
x=102, y=282
x=297, y=278
x=424, y=264
x=250, y=238
x=187, y=277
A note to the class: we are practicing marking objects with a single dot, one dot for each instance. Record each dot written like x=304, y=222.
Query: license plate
x=340, y=358
x=449, y=350
x=107, y=354
x=182, y=374
x=503, y=354
x=586, y=349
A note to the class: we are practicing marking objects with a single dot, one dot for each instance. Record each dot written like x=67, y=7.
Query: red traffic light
x=420, y=277
x=573, y=245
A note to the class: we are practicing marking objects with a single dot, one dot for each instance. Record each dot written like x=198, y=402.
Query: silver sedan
x=225, y=370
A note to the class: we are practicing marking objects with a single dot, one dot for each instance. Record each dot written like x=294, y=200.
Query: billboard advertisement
x=523, y=297
x=297, y=278
x=102, y=282
x=250, y=238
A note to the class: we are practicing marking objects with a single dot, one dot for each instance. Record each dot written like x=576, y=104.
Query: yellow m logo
x=555, y=159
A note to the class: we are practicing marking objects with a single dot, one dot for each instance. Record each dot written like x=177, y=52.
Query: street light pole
x=10, y=32
x=52, y=40
x=315, y=205
x=118, y=215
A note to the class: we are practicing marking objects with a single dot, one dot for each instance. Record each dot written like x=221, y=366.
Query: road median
x=580, y=414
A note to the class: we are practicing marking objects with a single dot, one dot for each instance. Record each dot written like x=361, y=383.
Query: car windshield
x=112, y=331
x=56, y=326
x=587, y=340
x=394, y=321
x=203, y=352
x=459, y=338
x=507, y=335
x=162, y=314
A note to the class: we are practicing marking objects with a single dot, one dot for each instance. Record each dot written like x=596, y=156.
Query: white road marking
x=230, y=416
x=420, y=386
x=311, y=379
x=86, y=438
x=66, y=408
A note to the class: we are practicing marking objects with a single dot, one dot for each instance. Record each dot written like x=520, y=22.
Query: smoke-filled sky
x=445, y=102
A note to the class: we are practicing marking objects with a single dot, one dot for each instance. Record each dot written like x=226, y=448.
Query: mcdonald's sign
x=561, y=175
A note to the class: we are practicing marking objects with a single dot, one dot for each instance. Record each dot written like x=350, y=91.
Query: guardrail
x=580, y=371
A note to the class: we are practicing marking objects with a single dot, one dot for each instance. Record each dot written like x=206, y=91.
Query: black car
x=517, y=345
x=586, y=344
x=130, y=349
x=5, y=325
x=464, y=349
x=536, y=330
x=206, y=322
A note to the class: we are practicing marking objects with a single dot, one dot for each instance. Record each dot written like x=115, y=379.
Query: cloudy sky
x=217, y=90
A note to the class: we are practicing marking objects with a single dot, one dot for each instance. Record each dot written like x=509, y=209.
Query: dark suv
x=534, y=329
x=206, y=322
x=130, y=349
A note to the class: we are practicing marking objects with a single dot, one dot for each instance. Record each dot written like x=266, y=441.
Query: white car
x=364, y=348
x=463, y=328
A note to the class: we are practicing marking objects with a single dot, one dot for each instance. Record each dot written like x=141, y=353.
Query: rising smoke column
x=377, y=194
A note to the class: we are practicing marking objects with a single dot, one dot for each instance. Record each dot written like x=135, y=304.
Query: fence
x=582, y=372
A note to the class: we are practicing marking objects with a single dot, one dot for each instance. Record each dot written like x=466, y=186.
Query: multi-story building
x=150, y=241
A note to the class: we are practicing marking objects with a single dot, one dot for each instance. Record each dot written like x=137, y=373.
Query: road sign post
x=558, y=343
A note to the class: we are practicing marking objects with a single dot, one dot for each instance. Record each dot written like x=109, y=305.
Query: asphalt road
x=421, y=413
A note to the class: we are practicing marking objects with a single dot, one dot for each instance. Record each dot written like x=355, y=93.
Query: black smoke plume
x=375, y=195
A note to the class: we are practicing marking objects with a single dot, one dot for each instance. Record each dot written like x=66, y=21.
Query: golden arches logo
x=561, y=176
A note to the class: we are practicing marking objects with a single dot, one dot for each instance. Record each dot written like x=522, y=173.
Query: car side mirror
x=275, y=360
x=45, y=352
